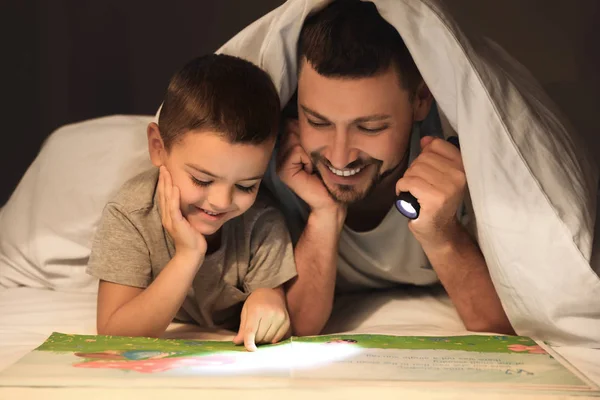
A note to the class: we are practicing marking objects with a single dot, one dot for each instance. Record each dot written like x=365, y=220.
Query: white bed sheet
x=28, y=316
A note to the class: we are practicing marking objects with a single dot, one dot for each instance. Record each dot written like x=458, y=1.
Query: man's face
x=356, y=130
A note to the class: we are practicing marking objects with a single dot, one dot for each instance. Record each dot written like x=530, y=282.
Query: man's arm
x=463, y=272
x=310, y=294
x=437, y=179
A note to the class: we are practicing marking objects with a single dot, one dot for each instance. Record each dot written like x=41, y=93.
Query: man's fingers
x=444, y=149
x=426, y=141
x=291, y=136
x=429, y=174
x=296, y=162
x=436, y=161
x=418, y=187
x=289, y=142
x=449, y=181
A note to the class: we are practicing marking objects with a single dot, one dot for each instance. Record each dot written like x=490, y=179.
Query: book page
x=493, y=362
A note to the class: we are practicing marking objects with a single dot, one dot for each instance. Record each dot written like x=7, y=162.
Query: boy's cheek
x=247, y=203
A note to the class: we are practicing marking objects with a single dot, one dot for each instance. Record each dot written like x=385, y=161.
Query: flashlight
x=406, y=203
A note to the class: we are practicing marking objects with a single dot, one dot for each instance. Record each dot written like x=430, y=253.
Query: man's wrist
x=328, y=218
x=451, y=239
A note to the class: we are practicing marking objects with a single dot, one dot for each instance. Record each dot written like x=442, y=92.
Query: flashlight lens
x=406, y=207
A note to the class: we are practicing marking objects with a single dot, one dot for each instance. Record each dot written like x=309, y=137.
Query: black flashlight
x=406, y=203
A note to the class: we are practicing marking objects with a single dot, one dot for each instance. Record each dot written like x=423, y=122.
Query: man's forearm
x=310, y=294
x=462, y=270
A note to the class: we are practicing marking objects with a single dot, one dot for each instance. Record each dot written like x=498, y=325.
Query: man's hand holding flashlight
x=437, y=179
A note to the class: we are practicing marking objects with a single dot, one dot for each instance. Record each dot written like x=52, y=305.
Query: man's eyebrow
x=313, y=113
x=367, y=118
x=373, y=118
x=205, y=172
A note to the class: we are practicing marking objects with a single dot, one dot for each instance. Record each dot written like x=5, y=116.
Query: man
x=354, y=146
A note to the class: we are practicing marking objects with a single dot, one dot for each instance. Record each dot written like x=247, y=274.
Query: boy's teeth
x=345, y=172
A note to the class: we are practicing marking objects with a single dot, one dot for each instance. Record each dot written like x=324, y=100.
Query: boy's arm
x=130, y=311
x=120, y=254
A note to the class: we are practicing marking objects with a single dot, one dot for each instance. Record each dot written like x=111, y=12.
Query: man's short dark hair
x=350, y=39
x=224, y=94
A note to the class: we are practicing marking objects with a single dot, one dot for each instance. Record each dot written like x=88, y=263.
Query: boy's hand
x=188, y=241
x=264, y=318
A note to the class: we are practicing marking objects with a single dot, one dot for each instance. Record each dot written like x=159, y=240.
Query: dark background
x=64, y=61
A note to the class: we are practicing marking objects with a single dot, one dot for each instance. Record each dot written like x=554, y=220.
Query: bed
x=550, y=292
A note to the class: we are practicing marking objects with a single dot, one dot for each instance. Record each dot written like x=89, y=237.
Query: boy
x=186, y=239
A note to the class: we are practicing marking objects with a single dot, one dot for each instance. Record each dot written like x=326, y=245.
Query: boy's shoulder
x=264, y=207
x=137, y=193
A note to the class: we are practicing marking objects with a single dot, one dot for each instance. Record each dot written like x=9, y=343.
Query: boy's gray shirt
x=131, y=248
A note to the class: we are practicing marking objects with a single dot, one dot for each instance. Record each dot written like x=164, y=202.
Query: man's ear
x=422, y=102
x=156, y=146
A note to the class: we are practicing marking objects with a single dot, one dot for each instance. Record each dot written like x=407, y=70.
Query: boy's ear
x=156, y=146
x=422, y=102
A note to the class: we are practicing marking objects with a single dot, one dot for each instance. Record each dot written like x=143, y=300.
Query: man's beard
x=348, y=194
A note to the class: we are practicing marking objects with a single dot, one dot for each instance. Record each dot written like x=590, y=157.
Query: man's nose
x=341, y=154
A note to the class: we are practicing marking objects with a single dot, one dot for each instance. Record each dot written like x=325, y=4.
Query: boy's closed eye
x=245, y=189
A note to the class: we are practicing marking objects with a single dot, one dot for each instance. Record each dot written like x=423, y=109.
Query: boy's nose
x=220, y=200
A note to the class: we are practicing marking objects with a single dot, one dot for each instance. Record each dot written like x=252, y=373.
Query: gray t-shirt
x=387, y=256
x=131, y=248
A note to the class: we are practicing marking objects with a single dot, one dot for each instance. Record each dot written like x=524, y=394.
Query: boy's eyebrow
x=205, y=172
x=368, y=118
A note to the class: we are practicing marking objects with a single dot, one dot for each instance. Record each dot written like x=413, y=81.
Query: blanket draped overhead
x=532, y=185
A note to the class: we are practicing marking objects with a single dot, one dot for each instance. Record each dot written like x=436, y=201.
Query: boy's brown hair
x=224, y=94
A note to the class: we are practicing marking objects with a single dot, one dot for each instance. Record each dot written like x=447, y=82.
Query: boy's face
x=217, y=180
x=356, y=130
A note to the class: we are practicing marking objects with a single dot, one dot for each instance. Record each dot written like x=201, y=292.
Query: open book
x=497, y=363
